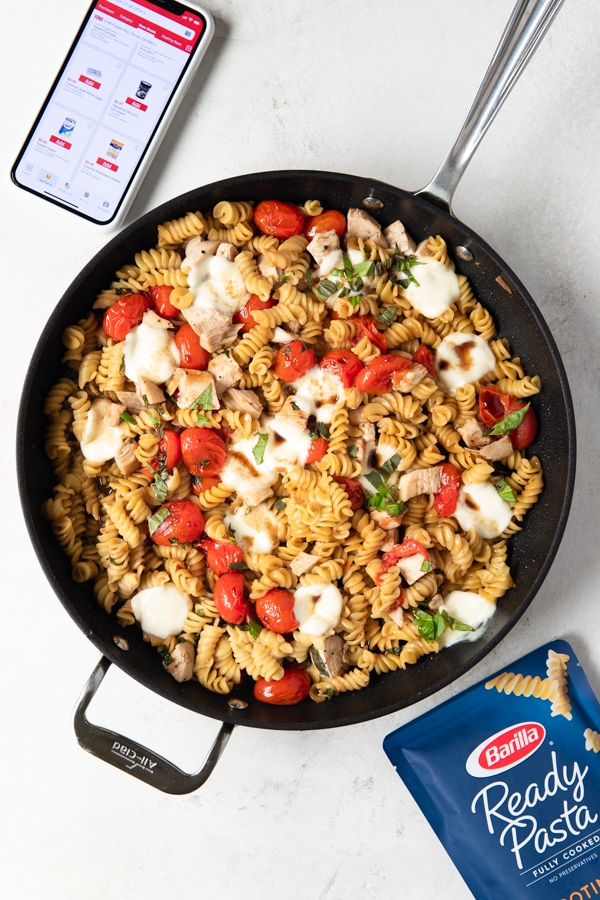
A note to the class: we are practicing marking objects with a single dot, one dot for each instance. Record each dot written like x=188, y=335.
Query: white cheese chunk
x=161, y=611
x=101, y=442
x=317, y=607
x=437, y=290
x=251, y=480
x=217, y=283
x=470, y=609
x=481, y=507
x=318, y=392
x=256, y=529
x=150, y=352
x=462, y=359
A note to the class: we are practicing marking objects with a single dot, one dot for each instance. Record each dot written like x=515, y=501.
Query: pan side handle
x=133, y=758
x=527, y=24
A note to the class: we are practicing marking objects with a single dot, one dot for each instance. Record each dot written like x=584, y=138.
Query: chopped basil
x=387, y=316
x=145, y=400
x=258, y=451
x=390, y=465
x=157, y=518
x=237, y=566
x=325, y=289
x=154, y=420
x=159, y=487
x=204, y=400
x=294, y=405
x=431, y=627
x=425, y=565
x=509, y=422
x=127, y=417
x=320, y=429
x=352, y=451
x=279, y=505
x=164, y=653
x=383, y=500
x=318, y=662
x=201, y=420
x=254, y=627
x=505, y=491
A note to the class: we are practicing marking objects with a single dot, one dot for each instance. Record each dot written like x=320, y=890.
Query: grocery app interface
x=107, y=103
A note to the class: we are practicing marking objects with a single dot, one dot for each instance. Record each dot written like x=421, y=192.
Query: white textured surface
x=380, y=89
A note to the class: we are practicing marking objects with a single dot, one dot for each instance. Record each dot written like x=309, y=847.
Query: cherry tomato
x=244, y=315
x=494, y=406
x=220, y=554
x=353, y=488
x=125, y=314
x=230, y=600
x=343, y=363
x=275, y=610
x=330, y=220
x=446, y=498
x=282, y=220
x=318, y=448
x=408, y=547
x=424, y=356
x=160, y=294
x=183, y=524
x=291, y=689
x=293, y=360
x=192, y=355
x=203, y=451
x=376, y=377
x=169, y=454
x=366, y=326
x=202, y=483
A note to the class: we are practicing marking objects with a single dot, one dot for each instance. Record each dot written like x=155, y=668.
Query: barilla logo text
x=505, y=749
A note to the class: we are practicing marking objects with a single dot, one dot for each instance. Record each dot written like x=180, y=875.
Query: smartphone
x=111, y=104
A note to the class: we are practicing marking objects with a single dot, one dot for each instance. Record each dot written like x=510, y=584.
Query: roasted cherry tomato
x=293, y=360
x=192, y=355
x=282, y=220
x=343, y=363
x=244, y=316
x=408, y=547
x=317, y=450
x=232, y=604
x=291, y=689
x=220, y=555
x=183, y=523
x=377, y=376
x=366, y=326
x=447, y=497
x=125, y=314
x=494, y=406
x=353, y=488
x=275, y=610
x=203, y=451
x=168, y=455
x=160, y=294
x=424, y=356
x=330, y=220
x=202, y=483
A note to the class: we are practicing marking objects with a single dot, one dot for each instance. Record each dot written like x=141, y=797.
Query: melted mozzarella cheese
x=462, y=359
x=318, y=392
x=101, y=442
x=150, y=353
x=317, y=607
x=376, y=454
x=288, y=444
x=161, y=611
x=470, y=609
x=251, y=480
x=256, y=530
x=217, y=283
x=437, y=290
x=333, y=260
x=481, y=507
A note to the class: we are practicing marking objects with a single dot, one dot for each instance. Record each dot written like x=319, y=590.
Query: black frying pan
x=531, y=551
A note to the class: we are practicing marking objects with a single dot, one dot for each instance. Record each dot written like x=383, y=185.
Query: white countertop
x=374, y=89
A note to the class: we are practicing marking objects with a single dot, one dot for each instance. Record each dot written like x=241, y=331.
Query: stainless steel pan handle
x=525, y=28
x=132, y=757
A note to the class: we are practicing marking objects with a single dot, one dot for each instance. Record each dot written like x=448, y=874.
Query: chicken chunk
x=322, y=245
x=192, y=384
x=149, y=393
x=499, y=448
x=214, y=328
x=409, y=378
x=229, y=251
x=384, y=520
x=244, y=401
x=181, y=666
x=225, y=371
x=472, y=434
x=397, y=236
x=420, y=481
x=411, y=567
x=362, y=225
x=126, y=459
x=112, y=416
x=490, y=448
x=196, y=249
x=304, y=562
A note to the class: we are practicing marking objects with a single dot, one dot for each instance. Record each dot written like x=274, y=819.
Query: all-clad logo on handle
x=505, y=749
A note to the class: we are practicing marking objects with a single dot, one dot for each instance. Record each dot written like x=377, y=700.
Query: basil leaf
x=454, y=624
x=426, y=565
x=157, y=518
x=505, y=491
x=375, y=479
x=127, y=417
x=354, y=300
x=159, y=488
x=237, y=566
x=509, y=422
x=386, y=317
x=429, y=627
x=362, y=269
x=390, y=465
x=258, y=451
x=254, y=627
x=318, y=662
x=279, y=505
x=204, y=400
x=201, y=420
x=325, y=289
x=352, y=451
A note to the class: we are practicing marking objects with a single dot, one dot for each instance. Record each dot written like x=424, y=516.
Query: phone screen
x=107, y=103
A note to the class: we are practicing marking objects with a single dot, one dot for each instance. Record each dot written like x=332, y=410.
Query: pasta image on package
x=508, y=775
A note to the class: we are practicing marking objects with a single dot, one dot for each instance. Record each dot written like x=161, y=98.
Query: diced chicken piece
x=436, y=601
x=420, y=481
x=397, y=236
x=409, y=378
x=304, y=562
x=334, y=654
x=367, y=429
x=132, y=400
x=153, y=320
x=384, y=520
x=396, y=615
x=411, y=567
x=266, y=268
x=356, y=417
x=181, y=666
x=391, y=539
x=322, y=245
x=148, y=392
x=472, y=434
x=281, y=336
x=192, y=384
x=126, y=459
x=229, y=251
x=244, y=401
x=361, y=225
x=214, y=328
x=361, y=449
x=288, y=417
x=225, y=371
x=196, y=249
x=499, y=448
x=112, y=416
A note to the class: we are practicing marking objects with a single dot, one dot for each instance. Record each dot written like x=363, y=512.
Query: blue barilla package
x=508, y=775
